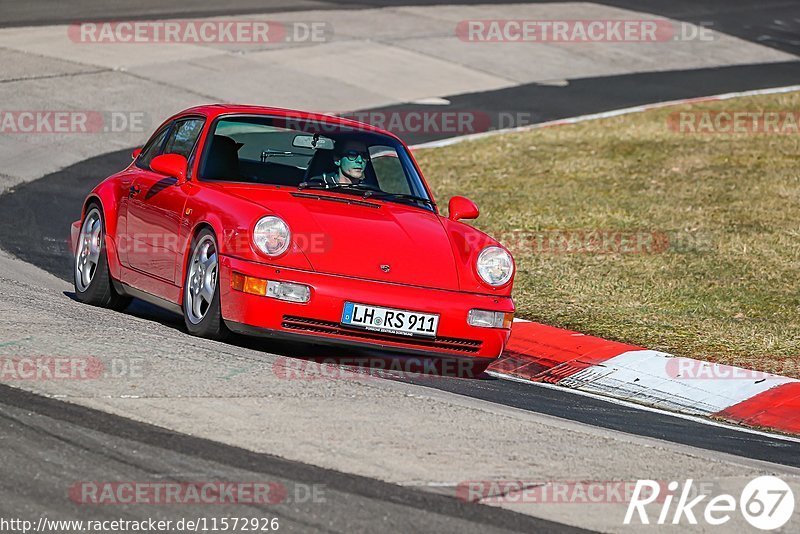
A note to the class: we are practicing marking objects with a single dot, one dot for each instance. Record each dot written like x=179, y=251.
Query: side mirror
x=462, y=208
x=136, y=152
x=170, y=164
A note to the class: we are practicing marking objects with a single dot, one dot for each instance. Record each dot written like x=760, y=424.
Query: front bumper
x=74, y=233
x=320, y=316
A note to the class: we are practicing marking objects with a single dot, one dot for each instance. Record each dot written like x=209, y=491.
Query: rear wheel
x=202, y=311
x=92, y=279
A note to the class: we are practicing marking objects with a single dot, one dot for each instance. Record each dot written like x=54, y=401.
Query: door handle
x=134, y=190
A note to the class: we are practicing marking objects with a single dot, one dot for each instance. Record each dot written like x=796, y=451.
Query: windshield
x=311, y=154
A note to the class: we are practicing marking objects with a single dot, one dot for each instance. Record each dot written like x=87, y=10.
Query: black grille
x=328, y=327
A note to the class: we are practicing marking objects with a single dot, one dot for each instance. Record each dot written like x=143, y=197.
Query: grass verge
x=627, y=229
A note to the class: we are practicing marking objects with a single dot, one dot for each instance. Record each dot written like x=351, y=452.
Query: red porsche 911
x=266, y=221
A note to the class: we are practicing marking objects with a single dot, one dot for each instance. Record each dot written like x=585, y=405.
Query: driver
x=351, y=160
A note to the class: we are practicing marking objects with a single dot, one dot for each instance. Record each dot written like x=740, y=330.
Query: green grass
x=725, y=288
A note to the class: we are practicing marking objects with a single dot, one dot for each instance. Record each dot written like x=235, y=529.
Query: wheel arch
x=106, y=194
x=187, y=253
x=93, y=199
x=109, y=230
x=90, y=200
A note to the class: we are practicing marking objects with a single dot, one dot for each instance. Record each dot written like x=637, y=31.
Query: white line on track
x=606, y=115
x=628, y=404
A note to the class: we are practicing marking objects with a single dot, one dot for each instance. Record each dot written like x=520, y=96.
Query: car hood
x=344, y=235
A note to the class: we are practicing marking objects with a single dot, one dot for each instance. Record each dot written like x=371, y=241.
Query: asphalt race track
x=89, y=445
x=748, y=19
x=77, y=442
x=35, y=208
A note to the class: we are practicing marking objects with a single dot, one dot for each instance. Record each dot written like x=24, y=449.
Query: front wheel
x=202, y=311
x=91, y=277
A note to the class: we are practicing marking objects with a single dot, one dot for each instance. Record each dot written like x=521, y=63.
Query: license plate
x=390, y=320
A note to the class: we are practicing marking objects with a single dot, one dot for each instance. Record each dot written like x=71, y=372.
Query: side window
x=152, y=149
x=184, y=136
x=389, y=170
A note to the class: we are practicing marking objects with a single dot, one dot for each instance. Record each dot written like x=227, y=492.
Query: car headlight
x=272, y=236
x=495, y=266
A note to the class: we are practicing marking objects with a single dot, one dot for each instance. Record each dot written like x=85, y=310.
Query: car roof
x=212, y=111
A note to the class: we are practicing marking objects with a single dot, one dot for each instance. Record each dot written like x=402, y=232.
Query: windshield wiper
x=368, y=191
x=402, y=196
x=338, y=187
x=315, y=185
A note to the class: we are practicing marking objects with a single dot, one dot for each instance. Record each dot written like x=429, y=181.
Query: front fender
x=107, y=195
x=232, y=219
x=467, y=243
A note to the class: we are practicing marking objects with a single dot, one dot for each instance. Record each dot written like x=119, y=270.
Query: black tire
x=99, y=291
x=208, y=323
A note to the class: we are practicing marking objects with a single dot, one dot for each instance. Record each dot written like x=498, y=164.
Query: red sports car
x=266, y=221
